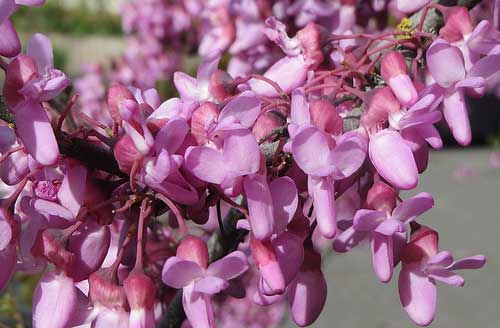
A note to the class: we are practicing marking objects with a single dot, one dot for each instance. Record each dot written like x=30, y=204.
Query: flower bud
x=116, y=94
x=325, y=117
x=266, y=260
x=194, y=249
x=381, y=104
x=203, y=118
x=457, y=24
x=266, y=123
x=381, y=197
x=19, y=71
x=104, y=289
x=423, y=244
x=140, y=292
x=126, y=153
x=51, y=244
x=395, y=73
x=221, y=85
x=310, y=38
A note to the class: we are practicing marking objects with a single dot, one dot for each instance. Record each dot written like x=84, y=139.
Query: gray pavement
x=467, y=215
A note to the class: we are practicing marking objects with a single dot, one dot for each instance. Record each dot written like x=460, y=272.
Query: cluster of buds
x=235, y=188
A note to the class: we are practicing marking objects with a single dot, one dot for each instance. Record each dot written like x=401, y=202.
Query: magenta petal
x=446, y=276
x=115, y=317
x=186, y=86
x=323, y=195
x=5, y=232
x=179, y=273
x=288, y=73
x=487, y=67
x=290, y=252
x=48, y=209
x=285, y=201
x=410, y=6
x=389, y=227
x=382, y=256
x=35, y=130
x=72, y=192
x=403, y=89
x=393, y=159
x=241, y=153
x=417, y=294
x=443, y=259
x=39, y=48
x=471, y=262
x=171, y=135
x=8, y=260
x=7, y=7
x=272, y=279
x=299, y=108
x=348, y=239
x=89, y=244
x=410, y=208
x=457, y=117
x=312, y=153
x=368, y=220
x=10, y=45
x=307, y=296
x=243, y=109
x=55, y=300
x=208, y=66
x=198, y=308
x=206, y=164
x=446, y=63
x=230, y=266
x=210, y=285
x=260, y=205
x=348, y=155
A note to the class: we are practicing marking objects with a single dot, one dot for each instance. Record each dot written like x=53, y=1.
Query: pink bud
x=266, y=260
x=51, y=245
x=325, y=117
x=381, y=104
x=116, y=94
x=310, y=38
x=126, y=153
x=381, y=197
x=19, y=71
x=221, y=85
x=423, y=244
x=140, y=291
x=395, y=73
x=104, y=289
x=457, y=24
x=266, y=123
x=194, y=249
x=202, y=119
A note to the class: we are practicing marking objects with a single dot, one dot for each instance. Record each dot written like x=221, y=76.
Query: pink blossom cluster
x=122, y=205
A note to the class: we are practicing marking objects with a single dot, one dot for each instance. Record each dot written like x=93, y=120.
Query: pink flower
x=423, y=266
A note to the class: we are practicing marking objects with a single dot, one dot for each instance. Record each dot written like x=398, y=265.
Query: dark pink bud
x=103, y=289
x=51, y=244
x=423, y=244
x=457, y=24
x=221, y=85
x=381, y=197
x=266, y=260
x=140, y=291
x=19, y=71
x=325, y=117
x=310, y=38
x=202, y=119
x=266, y=123
x=116, y=94
x=395, y=73
x=126, y=153
x=381, y=104
x=194, y=249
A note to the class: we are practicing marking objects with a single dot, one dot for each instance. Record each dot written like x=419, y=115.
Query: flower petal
x=285, y=202
x=457, y=117
x=471, y=262
x=198, y=308
x=382, y=256
x=39, y=48
x=446, y=63
x=243, y=109
x=210, y=285
x=179, y=273
x=410, y=208
x=206, y=164
x=260, y=205
x=312, y=153
x=307, y=296
x=230, y=266
x=323, y=195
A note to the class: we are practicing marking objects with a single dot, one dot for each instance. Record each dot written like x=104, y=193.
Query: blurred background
x=89, y=43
